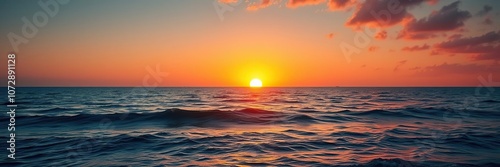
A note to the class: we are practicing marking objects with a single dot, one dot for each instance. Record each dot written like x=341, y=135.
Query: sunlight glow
x=256, y=83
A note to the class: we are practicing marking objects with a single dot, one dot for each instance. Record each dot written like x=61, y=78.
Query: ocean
x=336, y=126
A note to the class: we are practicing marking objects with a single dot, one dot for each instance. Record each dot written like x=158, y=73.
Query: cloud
x=494, y=54
x=435, y=52
x=469, y=49
x=415, y=36
x=459, y=74
x=340, y=4
x=433, y=2
x=373, y=48
x=228, y=1
x=486, y=9
x=465, y=43
x=297, y=3
x=459, y=69
x=400, y=63
x=446, y=19
x=257, y=6
x=486, y=46
x=291, y=3
x=381, y=35
x=455, y=36
x=382, y=13
x=416, y=48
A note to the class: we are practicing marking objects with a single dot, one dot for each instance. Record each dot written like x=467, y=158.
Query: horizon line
x=453, y=86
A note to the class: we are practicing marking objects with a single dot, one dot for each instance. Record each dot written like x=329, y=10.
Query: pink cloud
x=373, y=48
x=340, y=4
x=257, y=6
x=228, y=1
x=381, y=35
x=297, y=3
x=433, y=2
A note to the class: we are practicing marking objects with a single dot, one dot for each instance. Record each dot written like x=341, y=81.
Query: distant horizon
x=257, y=88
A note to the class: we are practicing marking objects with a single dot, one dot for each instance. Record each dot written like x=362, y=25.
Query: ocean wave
x=84, y=150
x=239, y=100
x=176, y=117
x=171, y=117
x=182, y=147
x=287, y=101
x=490, y=101
x=372, y=127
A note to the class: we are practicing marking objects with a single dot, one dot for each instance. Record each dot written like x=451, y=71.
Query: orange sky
x=107, y=43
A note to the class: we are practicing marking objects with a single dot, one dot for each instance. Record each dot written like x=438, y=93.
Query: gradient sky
x=284, y=43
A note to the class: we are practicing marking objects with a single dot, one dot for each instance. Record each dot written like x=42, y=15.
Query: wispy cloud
x=257, y=6
x=297, y=3
x=415, y=48
x=341, y=4
x=400, y=63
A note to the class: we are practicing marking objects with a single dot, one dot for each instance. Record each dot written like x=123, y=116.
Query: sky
x=219, y=43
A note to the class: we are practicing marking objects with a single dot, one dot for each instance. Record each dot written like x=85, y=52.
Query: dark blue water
x=256, y=127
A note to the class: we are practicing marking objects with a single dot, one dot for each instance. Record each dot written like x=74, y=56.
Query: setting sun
x=256, y=83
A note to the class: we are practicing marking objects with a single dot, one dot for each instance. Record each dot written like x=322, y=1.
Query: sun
x=256, y=83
